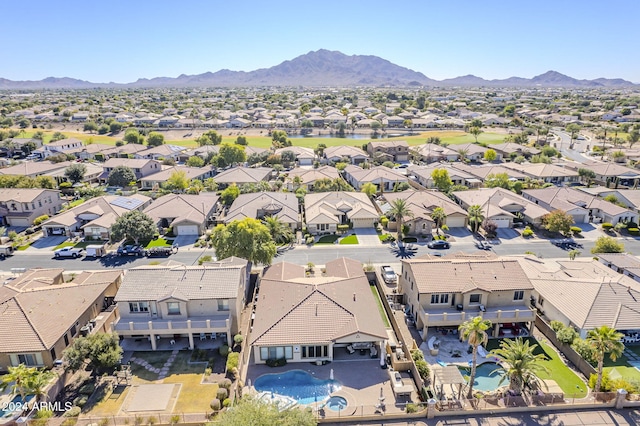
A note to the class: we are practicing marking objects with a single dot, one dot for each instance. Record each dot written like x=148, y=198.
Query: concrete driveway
x=185, y=241
x=367, y=237
x=47, y=243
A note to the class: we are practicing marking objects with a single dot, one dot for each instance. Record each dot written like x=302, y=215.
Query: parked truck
x=96, y=250
x=6, y=250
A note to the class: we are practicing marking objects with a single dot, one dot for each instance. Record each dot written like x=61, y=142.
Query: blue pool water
x=14, y=408
x=485, y=381
x=297, y=384
x=336, y=403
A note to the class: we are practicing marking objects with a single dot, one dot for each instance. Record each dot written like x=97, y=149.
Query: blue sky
x=121, y=41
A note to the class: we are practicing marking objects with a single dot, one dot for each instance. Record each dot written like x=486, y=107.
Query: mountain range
x=322, y=68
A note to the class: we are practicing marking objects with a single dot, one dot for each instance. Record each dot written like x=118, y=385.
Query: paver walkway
x=161, y=372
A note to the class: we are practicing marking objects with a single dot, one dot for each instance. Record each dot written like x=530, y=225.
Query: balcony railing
x=129, y=326
x=521, y=313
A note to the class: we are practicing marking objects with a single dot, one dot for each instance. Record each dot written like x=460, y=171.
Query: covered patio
x=448, y=384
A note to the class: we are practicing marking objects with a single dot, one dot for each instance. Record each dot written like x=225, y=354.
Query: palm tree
x=297, y=181
x=604, y=340
x=369, y=189
x=280, y=231
x=463, y=152
x=476, y=216
x=519, y=363
x=399, y=210
x=474, y=331
x=439, y=216
x=38, y=382
x=25, y=380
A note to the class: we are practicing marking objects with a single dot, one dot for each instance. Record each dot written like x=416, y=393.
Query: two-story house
x=21, y=206
x=442, y=293
x=396, y=151
x=60, y=147
x=384, y=178
x=141, y=167
x=169, y=305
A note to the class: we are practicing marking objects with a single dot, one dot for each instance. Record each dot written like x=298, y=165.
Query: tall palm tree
x=474, y=331
x=23, y=380
x=280, y=231
x=439, y=216
x=476, y=216
x=400, y=210
x=297, y=181
x=38, y=382
x=605, y=340
x=519, y=363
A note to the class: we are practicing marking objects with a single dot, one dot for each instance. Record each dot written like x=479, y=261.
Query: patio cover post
x=191, y=340
x=152, y=337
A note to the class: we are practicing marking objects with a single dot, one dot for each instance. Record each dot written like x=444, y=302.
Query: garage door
x=188, y=230
x=455, y=222
x=579, y=218
x=502, y=223
x=362, y=223
x=19, y=221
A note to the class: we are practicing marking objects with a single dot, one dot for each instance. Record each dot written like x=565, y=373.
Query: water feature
x=336, y=403
x=485, y=380
x=297, y=384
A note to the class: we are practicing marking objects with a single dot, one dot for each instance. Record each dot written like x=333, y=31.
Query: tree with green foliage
x=558, y=221
x=155, y=139
x=121, y=176
x=103, y=351
x=474, y=331
x=399, y=210
x=587, y=175
x=196, y=186
x=279, y=139
x=75, y=172
x=490, y=155
x=229, y=194
x=133, y=136
x=115, y=127
x=210, y=184
x=90, y=127
x=209, y=138
x=573, y=129
x=509, y=110
x=520, y=363
x=24, y=381
x=232, y=154
x=280, y=231
x=45, y=182
x=250, y=411
x=439, y=216
x=441, y=180
x=476, y=216
x=475, y=131
x=606, y=244
x=248, y=238
x=604, y=340
x=133, y=224
x=177, y=181
x=369, y=189
x=103, y=129
x=58, y=136
x=194, y=161
x=242, y=140
x=497, y=180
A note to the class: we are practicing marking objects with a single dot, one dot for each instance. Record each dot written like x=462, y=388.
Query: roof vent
x=354, y=297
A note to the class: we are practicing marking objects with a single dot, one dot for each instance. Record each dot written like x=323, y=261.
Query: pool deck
x=362, y=380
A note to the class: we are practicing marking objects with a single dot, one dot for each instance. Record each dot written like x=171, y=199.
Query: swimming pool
x=297, y=384
x=13, y=409
x=336, y=403
x=484, y=380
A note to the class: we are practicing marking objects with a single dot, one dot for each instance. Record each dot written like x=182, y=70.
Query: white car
x=68, y=252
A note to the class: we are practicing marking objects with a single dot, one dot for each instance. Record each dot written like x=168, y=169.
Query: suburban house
x=21, y=206
x=324, y=211
x=242, y=175
x=43, y=310
x=628, y=197
x=442, y=293
x=610, y=174
x=91, y=151
x=336, y=154
x=583, y=294
x=309, y=176
x=123, y=151
x=502, y=206
x=481, y=172
x=59, y=147
x=384, y=178
x=303, y=318
x=141, y=167
x=624, y=263
x=182, y=304
x=422, y=175
x=18, y=145
x=510, y=149
x=550, y=173
x=582, y=206
x=304, y=156
x=474, y=152
x=156, y=180
x=94, y=217
x=161, y=152
x=34, y=169
x=258, y=205
x=186, y=214
x=422, y=204
x=432, y=153
x=395, y=151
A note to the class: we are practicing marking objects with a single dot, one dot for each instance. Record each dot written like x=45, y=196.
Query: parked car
x=388, y=274
x=68, y=252
x=160, y=251
x=438, y=244
x=130, y=250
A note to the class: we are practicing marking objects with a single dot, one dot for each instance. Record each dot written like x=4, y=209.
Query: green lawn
x=63, y=245
x=159, y=242
x=383, y=314
x=568, y=381
x=327, y=239
x=351, y=239
x=24, y=247
x=621, y=366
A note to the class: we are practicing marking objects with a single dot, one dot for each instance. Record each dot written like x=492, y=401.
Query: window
x=53, y=353
x=29, y=360
x=315, y=351
x=540, y=301
x=439, y=298
x=66, y=339
x=223, y=305
x=73, y=330
x=173, y=308
x=474, y=298
x=276, y=352
x=518, y=295
x=138, y=306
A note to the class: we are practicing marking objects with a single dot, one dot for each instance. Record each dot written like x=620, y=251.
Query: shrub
x=238, y=339
x=225, y=383
x=203, y=259
x=585, y=350
x=623, y=383
x=215, y=405
x=343, y=228
x=226, y=402
x=309, y=240
x=152, y=420
x=384, y=221
x=80, y=401
x=207, y=371
x=224, y=350
x=631, y=225
x=65, y=185
x=423, y=370
x=44, y=414
x=417, y=355
x=232, y=360
x=29, y=231
x=175, y=419
x=411, y=408
x=605, y=386
x=38, y=220
x=87, y=388
x=72, y=412
x=633, y=231
x=567, y=335
x=556, y=325
x=576, y=230
x=607, y=226
x=222, y=394
x=276, y=362
x=527, y=232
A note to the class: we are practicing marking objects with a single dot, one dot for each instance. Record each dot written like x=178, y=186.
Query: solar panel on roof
x=128, y=203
